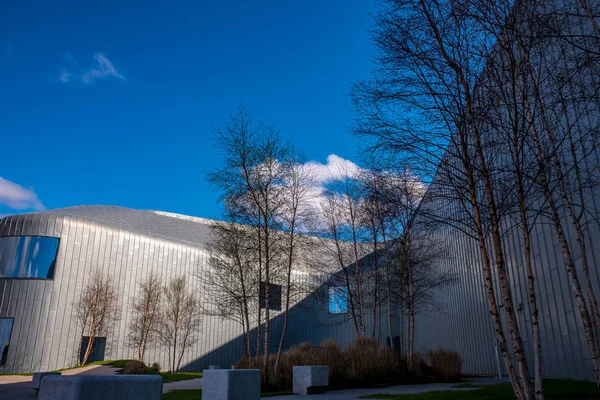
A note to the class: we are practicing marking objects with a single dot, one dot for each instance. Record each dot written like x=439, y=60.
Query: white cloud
x=17, y=197
x=100, y=69
x=336, y=169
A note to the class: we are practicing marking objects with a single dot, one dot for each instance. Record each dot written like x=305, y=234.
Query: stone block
x=231, y=384
x=37, y=378
x=101, y=387
x=310, y=379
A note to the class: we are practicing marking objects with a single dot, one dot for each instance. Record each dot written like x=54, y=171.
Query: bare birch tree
x=298, y=182
x=254, y=180
x=143, y=328
x=95, y=310
x=231, y=278
x=423, y=106
x=180, y=321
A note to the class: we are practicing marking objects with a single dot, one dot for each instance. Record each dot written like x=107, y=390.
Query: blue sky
x=113, y=102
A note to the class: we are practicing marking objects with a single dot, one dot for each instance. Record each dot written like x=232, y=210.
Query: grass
x=183, y=395
x=167, y=378
x=555, y=389
x=180, y=376
x=466, y=386
x=197, y=394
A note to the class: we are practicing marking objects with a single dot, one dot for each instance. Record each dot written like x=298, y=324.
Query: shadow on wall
x=309, y=321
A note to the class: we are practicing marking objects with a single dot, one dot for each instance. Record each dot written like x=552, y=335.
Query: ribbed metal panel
x=44, y=334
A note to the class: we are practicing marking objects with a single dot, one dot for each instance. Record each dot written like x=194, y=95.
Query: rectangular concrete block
x=231, y=384
x=101, y=387
x=310, y=379
x=37, y=378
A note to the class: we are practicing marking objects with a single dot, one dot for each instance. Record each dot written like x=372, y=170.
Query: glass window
x=5, y=331
x=274, y=296
x=338, y=299
x=28, y=257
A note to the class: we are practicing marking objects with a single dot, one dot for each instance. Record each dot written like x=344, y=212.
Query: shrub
x=155, y=367
x=134, y=368
x=446, y=364
x=364, y=364
x=368, y=362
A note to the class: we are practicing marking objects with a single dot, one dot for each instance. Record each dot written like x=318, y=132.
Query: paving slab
x=190, y=384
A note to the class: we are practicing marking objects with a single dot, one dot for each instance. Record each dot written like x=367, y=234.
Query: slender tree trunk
x=487, y=273
x=260, y=275
x=535, y=323
x=267, y=302
x=588, y=327
x=90, y=345
x=575, y=217
x=518, y=351
x=375, y=285
x=287, y=295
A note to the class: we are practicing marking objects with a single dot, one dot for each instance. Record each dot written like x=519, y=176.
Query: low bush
x=364, y=364
x=446, y=364
x=155, y=367
x=134, y=368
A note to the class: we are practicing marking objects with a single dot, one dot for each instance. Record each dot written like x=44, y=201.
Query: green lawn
x=197, y=394
x=555, y=389
x=183, y=395
x=167, y=378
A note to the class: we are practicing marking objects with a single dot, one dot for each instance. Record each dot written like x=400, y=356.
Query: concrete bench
x=37, y=378
x=101, y=387
x=310, y=379
x=231, y=384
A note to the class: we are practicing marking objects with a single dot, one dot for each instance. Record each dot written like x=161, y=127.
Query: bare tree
x=95, y=310
x=253, y=183
x=143, y=329
x=297, y=213
x=180, y=321
x=344, y=238
x=231, y=278
x=423, y=106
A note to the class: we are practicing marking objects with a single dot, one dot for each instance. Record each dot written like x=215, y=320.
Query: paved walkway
x=354, y=394
x=190, y=384
x=16, y=387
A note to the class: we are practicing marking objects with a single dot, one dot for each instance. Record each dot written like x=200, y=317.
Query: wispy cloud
x=101, y=68
x=17, y=197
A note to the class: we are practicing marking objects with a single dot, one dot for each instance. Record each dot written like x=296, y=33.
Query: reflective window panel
x=338, y=299
x=28, y=257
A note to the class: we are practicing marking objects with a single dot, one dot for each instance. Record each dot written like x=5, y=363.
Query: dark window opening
x=6, y=325
x=98, y=347
x=274, y=296
x=28, y=257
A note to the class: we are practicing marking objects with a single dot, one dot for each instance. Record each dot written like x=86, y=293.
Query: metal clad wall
x=45, y=337
x=466, y=324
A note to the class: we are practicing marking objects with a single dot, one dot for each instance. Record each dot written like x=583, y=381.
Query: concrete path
x=354, y=394
x=190, y=384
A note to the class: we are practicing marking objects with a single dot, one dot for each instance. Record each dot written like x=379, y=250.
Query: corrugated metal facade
x=465, y=323
x=44, y=335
